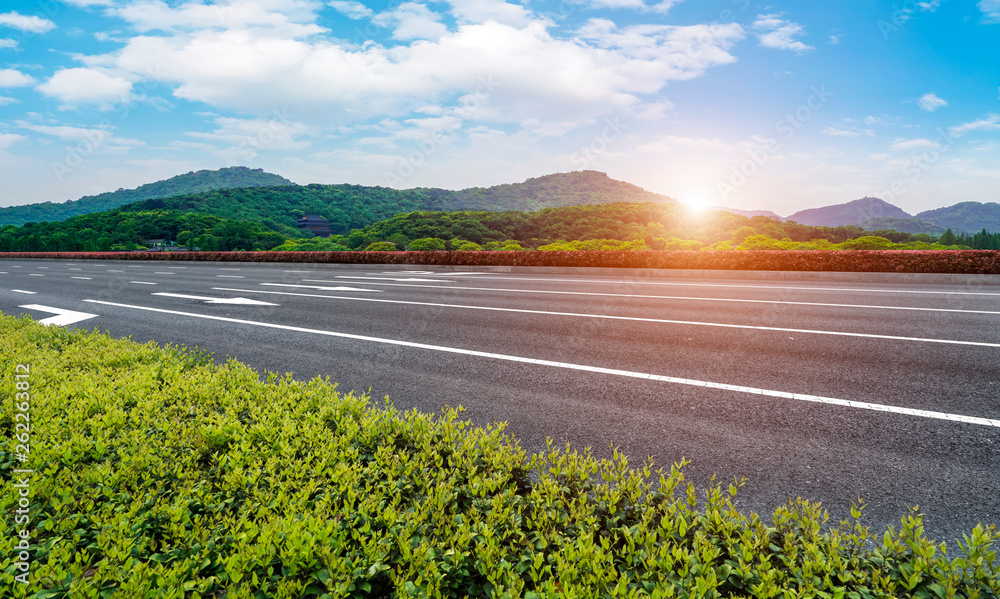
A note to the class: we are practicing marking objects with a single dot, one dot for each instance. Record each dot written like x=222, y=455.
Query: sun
x=696, y=202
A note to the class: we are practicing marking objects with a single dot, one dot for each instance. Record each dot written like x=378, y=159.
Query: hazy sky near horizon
x=759, y=105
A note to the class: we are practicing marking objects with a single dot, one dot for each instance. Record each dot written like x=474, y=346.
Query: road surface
x=826, y=390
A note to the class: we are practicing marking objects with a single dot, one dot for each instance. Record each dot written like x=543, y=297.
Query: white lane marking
x=300, y=271
x=671, y=297
x=133, y=266
x=595, y=369
x=338, y=288
x=410, y=280
x=219, y=300
x=230, y=276
x=638, y=319
x=17, y=266
x=33, y=274
x=116, y=271
x=164, y=273
x=62, y=317
x=4, y=272
x=82, y=278
x=23, y=291
x=44, y=267
x=176, y=267
x=143, y=283
x=765, y=287
x=229, y=269
x=76, y=269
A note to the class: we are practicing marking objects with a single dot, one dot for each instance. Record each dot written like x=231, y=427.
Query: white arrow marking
x=220, y=300
x=62, y=317
x=23, y=291
x=322, y=288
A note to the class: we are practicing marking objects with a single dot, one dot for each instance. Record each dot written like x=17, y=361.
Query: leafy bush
x=595, y=244
x=426, y=244
x=381, y=246
x=461, y=245
x=159, y=473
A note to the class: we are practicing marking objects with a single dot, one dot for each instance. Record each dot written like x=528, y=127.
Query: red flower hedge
x=912, y=261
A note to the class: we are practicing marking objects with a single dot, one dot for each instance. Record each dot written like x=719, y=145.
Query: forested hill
x=350, y=207
x=193, y=182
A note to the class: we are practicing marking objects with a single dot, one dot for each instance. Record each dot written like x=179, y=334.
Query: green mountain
x=193, y=182
x=967, y=217
x=349, y=207
x=903, y=225
x=851, y=213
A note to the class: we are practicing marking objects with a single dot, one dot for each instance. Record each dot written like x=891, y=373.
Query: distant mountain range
x=873, y=214
x=252, y=194
x=192, y=182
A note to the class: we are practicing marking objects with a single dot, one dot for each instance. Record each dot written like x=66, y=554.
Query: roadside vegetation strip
x=898, y=261
x=158, y=473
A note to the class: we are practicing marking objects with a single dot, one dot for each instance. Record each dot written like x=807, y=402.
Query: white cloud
x=481, y=11
x=512, y=73
x=991, y=10
x=839, y=132
x=930, y=102
x=86, y=86
x=664, y=6
x=835, y=38
x=8, y=43
x=86, y=3
x=239, y=141
x=411, y=20
x=5, y=100
x=9, y=139
x=290, y=18
x=989, y=123
x=779, y=34
x=102, y=141
x=351, y=9
x=14, y=78
x=31, y=24
x=902, y=145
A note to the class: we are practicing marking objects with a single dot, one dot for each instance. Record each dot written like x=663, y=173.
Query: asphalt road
x=825, y=390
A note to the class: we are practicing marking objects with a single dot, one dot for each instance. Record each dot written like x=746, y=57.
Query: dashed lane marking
x=595, y=369
x=663, y=297
x=630, y=318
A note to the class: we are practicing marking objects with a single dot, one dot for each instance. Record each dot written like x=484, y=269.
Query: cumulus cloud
x=776, y=32
x=28, y=23
x=989, y=123
x=411, y=20
x=351, y=9
x=102, y=141
x=930, y=102
x=9, y=139
x=14, y=78
x=514, y=71
x=991, y=10
x=78, y=86
x=291, y=18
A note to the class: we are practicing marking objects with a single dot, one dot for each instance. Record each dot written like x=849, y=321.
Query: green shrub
x=465, y=246
x=427, y=244
x=381, y=246
x=160, y=474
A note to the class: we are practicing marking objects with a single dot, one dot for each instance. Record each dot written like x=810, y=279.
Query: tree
x=427, y=244
x=948, y=238
x=381, y=246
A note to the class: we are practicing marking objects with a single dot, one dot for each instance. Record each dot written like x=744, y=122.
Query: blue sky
x=760, y=105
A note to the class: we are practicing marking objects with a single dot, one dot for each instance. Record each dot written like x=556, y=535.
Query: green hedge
x=160, y=474
x=906, y=261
